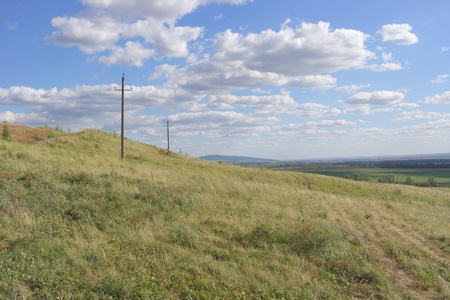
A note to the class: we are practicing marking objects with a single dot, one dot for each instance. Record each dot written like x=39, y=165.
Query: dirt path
x=402, y=282
x=415, y=238
x=305, y=181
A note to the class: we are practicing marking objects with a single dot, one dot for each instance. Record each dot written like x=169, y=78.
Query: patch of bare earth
x=29, y=135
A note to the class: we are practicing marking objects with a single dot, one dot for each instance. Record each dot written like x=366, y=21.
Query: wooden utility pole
x=168, y=145
x=122, y=130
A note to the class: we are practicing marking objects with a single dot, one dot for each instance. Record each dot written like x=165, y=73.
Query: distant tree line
x=356, y=177
x=431, y=182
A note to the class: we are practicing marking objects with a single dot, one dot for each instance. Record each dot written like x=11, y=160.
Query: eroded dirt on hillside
x=30, y=135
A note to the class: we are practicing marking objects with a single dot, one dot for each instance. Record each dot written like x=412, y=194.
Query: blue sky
x=282, y=79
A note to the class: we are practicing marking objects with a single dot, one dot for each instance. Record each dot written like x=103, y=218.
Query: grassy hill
x=78, y=222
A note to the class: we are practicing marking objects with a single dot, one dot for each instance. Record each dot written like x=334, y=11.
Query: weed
x=6, y=135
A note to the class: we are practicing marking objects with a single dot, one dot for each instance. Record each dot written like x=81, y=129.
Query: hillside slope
x=78, y=222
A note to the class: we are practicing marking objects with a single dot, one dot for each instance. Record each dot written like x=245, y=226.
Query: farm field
x=441, y=175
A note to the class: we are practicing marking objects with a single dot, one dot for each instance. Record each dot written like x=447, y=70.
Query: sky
x=280, y=79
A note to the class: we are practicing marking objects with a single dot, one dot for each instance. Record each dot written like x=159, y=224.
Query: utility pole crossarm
x=123, y=90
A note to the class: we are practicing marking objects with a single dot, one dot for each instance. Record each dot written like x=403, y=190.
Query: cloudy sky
x=282, y=79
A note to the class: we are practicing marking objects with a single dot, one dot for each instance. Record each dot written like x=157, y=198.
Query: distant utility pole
x=123, y=97
x=168, y=126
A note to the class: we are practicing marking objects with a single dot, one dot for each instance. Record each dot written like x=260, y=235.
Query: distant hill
x=236, y=159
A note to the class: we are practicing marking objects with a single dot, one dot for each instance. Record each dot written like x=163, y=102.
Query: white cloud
x=216, y=124
x=417, y=114
x=308, y=50
x=273, y=105
x=441, y=79
x=164, y=70
x=313, y=81
x=105, y=25
x=89, y=35
x=318, y=124
x=293, y=57
x=134, y=54
x=407, y=105
x=386, y=56
x=352, y=88
x=164, y=11
x=219, y=17
x=385, y=67
x=444, y=98
x=376, y=98
x=444, y=49
x=22, y=118
x=173, y=42
x=265, y=105
x=316, y=110
x=398, y=34
x=261, y=91
x=362, y=102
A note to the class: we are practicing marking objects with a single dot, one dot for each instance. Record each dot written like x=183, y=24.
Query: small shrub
x=78, y=178
x=74, y=214
x=7, y=134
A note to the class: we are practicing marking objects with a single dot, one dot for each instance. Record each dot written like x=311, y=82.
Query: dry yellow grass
x=79, y=222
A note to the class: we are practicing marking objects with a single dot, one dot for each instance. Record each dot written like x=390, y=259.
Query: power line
x=33, y=16
x=56, y=19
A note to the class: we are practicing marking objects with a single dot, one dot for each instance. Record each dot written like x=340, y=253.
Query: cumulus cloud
x=444, y=98
x=90, y=35
x=308, y=50
x=376, y=98
x=398, y=34
x=362, y=102
x=295, y=57
x=22, y=118
x=133, y=54
x=108, y=25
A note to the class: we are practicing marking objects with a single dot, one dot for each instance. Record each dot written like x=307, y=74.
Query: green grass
x=78, y=222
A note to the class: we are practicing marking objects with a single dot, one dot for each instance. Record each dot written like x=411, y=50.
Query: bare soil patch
x=29, y=135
